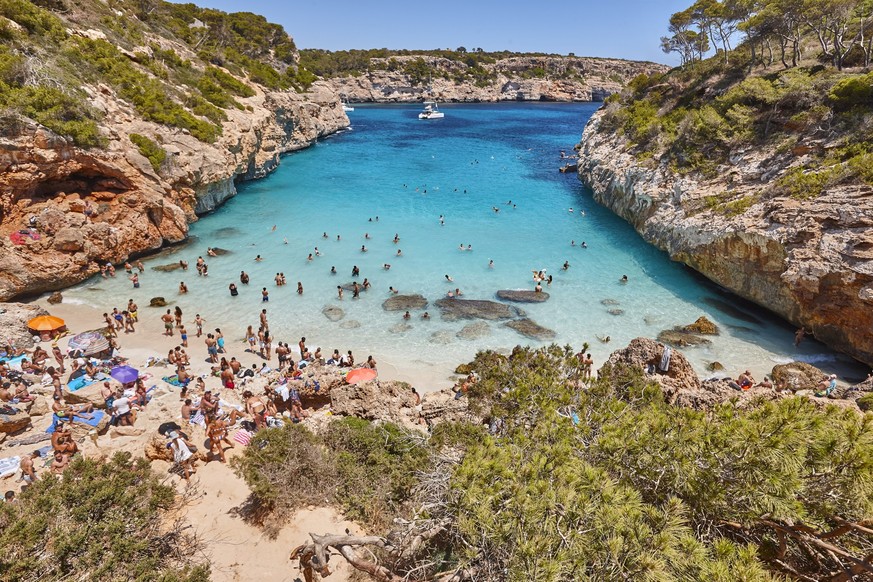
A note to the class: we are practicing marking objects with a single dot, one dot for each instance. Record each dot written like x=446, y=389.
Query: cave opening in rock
x=83, y=182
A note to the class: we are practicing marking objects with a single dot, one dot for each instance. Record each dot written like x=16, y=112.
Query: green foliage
x=640, y=489
x=151, y=150
x=61, y=113
x=803, y=184
x=865, y=402
x=417, y=70
x=99, y=521
x=37, y=21
x=851, y=92
x=367, y=469
x=148, y=96
x=228, y=82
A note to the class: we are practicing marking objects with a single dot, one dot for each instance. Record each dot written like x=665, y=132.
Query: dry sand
x=236, y=550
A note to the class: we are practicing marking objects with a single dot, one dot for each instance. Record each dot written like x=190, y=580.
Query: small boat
x=431, y=111
x=346, y=106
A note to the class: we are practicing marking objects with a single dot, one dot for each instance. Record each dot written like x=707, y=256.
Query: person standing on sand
x=133, y=309
x=167, y=318
x=211, y=348
x=184, y=333
x=217, y=433
x=182, y=454
x=198, y=323
x=178, y=316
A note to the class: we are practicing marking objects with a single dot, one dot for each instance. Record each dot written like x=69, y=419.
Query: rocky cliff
x=521, y=78
x=808, y=260
x=109, y=202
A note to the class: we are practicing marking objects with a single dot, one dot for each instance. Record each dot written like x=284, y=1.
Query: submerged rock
x=702, y=326
x=715, y=367
x=400, y=327
x=529, y=328
x=217, y=251
x=615, y=311
x=473, y=331
x=333, y=313
x=350, y=324
x=454, y=309
x=404, y=303
x=522, y=295
x=157, y=302
x=681, y=339
x=609, y=302
x=167, y=268
x=442, y=337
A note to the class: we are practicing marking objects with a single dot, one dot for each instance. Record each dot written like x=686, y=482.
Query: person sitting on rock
x=827, y=386
x=62, y=440
x=765, y=383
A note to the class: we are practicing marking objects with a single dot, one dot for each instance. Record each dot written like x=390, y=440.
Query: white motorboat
x=431, y=111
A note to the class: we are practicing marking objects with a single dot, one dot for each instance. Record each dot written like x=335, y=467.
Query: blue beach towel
x=93, y=422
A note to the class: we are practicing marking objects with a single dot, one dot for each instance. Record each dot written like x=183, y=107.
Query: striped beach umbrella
x=89, y=343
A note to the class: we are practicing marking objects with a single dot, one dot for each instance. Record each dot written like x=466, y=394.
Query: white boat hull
x=431, y=115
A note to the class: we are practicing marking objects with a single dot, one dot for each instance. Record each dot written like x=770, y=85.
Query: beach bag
x=243, y=437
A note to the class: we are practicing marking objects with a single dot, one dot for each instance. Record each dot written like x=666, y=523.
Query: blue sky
x=628, y=29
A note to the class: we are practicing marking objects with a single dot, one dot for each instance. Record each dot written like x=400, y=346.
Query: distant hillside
x=753, y=166
x=461, y=75
x=145, y=111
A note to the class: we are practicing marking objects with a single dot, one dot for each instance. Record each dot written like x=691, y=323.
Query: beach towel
x=15, y=363
x=665, y=359
x=174, y=381
x=79, y=383
x=97, y=417
x=9, y=466
x=198, y=419
x=243, y=437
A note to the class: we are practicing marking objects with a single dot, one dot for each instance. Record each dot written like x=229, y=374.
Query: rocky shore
x=810, y=262
x=512, y=80
x=135, y=209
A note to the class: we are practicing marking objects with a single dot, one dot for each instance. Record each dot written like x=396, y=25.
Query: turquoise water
x=408, y=172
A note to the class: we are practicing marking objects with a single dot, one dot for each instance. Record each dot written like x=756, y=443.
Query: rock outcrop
x=13, y=323
x=523, y=295
x=404, y=303
x=454, y=309
x=531, y=329
x=811, y=262
x=511, y=79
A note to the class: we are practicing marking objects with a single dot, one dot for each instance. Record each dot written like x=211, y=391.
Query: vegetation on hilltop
x=599, y=482
x=459, y=65
x=794, y=88
x=176, y=64
x=101, y=520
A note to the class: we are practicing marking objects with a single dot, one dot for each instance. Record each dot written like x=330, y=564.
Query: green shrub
x=62, y=113
x=37, y=21
x=865, y=402
x=102, y=520
x=147, y=95
x=155, y=153
x=803, y=184
x=228, y=82
x=852, y=92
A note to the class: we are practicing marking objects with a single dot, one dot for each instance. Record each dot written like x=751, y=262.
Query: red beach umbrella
x=360, y=375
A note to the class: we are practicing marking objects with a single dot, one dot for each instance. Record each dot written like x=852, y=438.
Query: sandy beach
x=236, y=550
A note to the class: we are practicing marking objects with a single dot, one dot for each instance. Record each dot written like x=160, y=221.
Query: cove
x=409, y=172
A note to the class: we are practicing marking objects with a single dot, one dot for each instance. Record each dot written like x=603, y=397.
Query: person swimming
x=623, y=279
x=449, y=279
x=363, y=249
x=333, y=270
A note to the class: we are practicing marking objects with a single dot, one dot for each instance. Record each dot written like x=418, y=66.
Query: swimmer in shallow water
x=333, y=270
x=449, y=279
x=490, y=264
x=623, y=279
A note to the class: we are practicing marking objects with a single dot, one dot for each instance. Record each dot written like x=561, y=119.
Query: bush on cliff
x=100, y=521
x=155, y=153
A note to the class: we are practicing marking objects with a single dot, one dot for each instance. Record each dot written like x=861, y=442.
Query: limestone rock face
x=87, y=395
x=387, y=401
x=13, y=322
x=643, y=352
x=133, y=209
x=796, y=376
x=595, y=80
x=11, y=423
x=807, y=261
